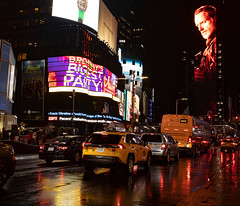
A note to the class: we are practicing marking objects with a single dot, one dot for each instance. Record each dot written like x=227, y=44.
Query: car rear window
x=61, y=139
x=228, y=140
x=104, y=139
x=152, y=138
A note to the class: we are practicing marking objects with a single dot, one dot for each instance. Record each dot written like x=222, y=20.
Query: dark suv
x=7, y=162
x=62, y=148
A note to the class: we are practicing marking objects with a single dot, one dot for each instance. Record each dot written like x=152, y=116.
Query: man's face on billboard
x=206, y=24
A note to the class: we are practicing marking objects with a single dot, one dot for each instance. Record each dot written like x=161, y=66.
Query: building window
x=124, y=61
x=133, y=62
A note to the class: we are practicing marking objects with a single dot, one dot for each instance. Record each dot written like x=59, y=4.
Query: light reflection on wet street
x=208, y=179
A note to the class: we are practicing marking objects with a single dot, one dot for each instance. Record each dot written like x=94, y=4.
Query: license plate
x=100, y=149
x=51, y=149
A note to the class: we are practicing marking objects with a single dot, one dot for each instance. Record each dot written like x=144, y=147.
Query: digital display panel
x=83, y=11
x=66, y=73
x=205, y=68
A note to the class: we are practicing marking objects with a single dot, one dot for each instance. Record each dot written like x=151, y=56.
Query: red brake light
x=62, y=148
x=120, y=146
x=86, y=144
x=42, y=147
x=189, y=139
x=163, y=146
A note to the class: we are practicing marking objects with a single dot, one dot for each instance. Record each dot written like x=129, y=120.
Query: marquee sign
x=66, y=73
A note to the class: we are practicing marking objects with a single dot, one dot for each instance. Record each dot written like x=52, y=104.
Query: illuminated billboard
x=205, y=68
x=33, y=89
x=83, y=11
x=92, y=13
x=68, y=73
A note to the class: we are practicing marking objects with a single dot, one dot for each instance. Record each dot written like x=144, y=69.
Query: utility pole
x=133, y=94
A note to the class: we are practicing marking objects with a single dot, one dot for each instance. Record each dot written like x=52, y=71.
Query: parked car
x=163, y=146
x=115, y=150
x=62, y=148
x=229, y=144
x=7, y=162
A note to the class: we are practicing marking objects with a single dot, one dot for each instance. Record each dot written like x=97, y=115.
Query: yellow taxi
x=112, y=149
x=229, y=144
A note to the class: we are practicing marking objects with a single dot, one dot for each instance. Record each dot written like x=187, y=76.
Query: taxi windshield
x=104, y=139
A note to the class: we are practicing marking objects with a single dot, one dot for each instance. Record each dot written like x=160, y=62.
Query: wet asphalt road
x=208, y=179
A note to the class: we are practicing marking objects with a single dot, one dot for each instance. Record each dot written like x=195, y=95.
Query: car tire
x=130, y=165
x=49, y=161
x=177, y=156
x=3, y=174
x=148, y=162
x=77, y=157
x=167, y=158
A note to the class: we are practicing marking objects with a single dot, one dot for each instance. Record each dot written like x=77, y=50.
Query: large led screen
x=33, y=89
x=205, y=69
x=83, y=11
x=92, y=13
x=66, y=73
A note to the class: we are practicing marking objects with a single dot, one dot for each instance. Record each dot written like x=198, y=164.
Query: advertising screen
x=66, y=73
x=205, y=69
x=33, y=89
x=92, y=13
x=83, y=11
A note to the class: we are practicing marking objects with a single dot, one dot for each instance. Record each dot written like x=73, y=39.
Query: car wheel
x=48, y=161
x=177, y=156
x=130, y=165
x=167, y=158
x=77, y=157
x=148, y=162
x=3, y=175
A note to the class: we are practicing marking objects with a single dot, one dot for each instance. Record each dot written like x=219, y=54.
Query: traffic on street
x=208, y=179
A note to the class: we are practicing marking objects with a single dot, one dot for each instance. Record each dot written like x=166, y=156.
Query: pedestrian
x=34, y=137
x=205, y=20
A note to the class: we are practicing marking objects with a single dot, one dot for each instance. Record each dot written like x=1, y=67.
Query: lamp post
x=182, y=99
x=73, y=109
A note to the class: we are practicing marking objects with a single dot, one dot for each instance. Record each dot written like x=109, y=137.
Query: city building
x=43, y=32
x=7, y=86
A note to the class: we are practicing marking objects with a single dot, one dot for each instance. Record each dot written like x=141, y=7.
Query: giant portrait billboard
x=205, y=69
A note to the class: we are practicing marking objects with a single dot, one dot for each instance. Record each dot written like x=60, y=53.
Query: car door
x=170, y=145
x=143, y=151
x=134, y=147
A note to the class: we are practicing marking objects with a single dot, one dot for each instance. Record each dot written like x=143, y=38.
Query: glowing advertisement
x=205, y=68
x=33, y=89
x=81, y=117
x=92, y=13
x=66, y=73
x=83, y=11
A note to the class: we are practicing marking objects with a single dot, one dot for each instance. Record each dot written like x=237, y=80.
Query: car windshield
x=104, y=139
x=152, y=138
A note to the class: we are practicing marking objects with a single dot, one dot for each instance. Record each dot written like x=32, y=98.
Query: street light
x=182, y=99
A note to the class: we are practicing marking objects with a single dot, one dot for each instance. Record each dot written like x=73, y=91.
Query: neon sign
x=66, y=73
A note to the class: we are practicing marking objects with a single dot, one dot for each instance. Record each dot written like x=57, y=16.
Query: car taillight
x=234, y=143
x=163, y=146
x=86, y=144
x=222, y=143
x=120, y=146
x=42, y=147
x=62, y=147
x=189, y=139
